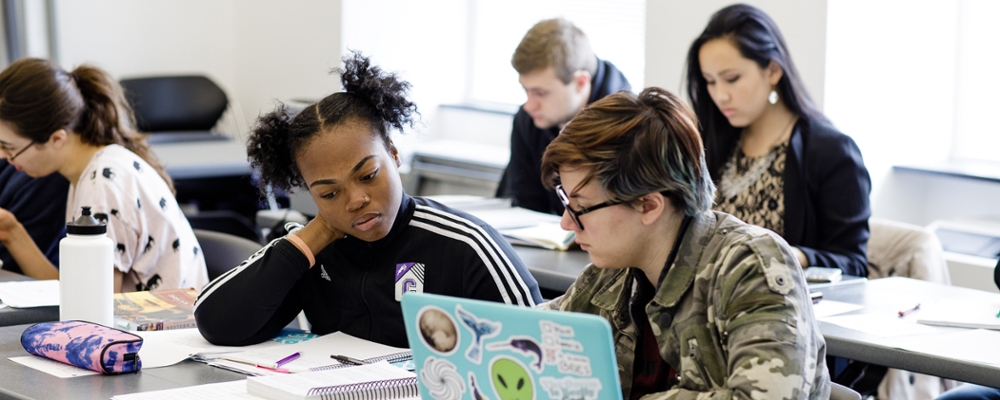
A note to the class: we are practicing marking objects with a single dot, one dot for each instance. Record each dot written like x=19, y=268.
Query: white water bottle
x=86, y=272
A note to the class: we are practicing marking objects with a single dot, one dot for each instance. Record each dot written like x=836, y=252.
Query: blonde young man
x=561, y=75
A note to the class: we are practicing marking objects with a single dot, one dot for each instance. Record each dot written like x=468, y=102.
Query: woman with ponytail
x=78, y=124
x=371, y=242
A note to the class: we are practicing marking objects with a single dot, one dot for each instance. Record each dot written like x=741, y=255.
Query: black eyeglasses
x=12, y=157
x=574, y=214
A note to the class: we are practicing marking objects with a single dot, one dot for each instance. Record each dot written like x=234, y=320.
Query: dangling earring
x=772, y=97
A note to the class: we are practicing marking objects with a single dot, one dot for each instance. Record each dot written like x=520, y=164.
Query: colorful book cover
x=155, y=310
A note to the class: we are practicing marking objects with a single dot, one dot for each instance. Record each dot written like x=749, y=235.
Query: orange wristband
x=303, y=247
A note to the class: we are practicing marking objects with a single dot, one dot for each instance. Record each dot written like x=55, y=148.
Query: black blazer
x=827, y=203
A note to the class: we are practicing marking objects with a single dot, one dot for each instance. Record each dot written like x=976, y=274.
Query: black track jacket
x=354, y=285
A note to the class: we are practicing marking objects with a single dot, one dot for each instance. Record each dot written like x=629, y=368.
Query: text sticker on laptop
x=471, y=349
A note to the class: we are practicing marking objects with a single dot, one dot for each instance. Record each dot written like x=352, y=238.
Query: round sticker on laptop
x=438, y=330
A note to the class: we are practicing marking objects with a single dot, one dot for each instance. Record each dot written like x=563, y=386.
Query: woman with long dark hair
x=78, y=124
x=371, y=242
x=778, y=162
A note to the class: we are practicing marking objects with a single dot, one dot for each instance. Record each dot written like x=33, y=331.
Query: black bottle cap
x=86, y=225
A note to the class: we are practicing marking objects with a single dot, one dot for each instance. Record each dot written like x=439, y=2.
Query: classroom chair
x=224, y=252
x=911, y=251
x=176, y=108
x=226, y=221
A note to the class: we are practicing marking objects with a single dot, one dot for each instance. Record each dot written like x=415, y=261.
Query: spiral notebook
x=314, y=355
x=371, y=381
x=471, y=349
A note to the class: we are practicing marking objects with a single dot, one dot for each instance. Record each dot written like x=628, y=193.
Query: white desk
x=203, y=159
x=20, y=382
x=18, y=316
x=887, y=296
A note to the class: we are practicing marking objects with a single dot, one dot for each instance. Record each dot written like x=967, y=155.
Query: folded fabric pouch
x=85, y=345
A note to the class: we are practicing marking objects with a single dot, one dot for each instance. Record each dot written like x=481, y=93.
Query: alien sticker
x=511, y=380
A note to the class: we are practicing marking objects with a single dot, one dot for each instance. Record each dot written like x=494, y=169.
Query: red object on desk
x=907, y=312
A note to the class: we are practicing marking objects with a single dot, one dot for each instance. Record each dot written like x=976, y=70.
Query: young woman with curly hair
x=370, y=243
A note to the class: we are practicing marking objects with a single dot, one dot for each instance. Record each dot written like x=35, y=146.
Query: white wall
x=671, y=26
x=429, y=53
x=255, y=50
x=284, y=50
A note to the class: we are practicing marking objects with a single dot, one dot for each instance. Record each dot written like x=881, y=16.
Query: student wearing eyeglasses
x=702, y=305
x=77, y=124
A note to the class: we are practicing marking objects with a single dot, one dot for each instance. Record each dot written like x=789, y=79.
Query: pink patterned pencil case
x=85, y=345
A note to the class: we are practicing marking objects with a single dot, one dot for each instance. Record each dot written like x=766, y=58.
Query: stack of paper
x=30, y=293
x=960, y=313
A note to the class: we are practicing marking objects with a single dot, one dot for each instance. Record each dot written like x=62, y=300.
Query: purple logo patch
x=402, y=269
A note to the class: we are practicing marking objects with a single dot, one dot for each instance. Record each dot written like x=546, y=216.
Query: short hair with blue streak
x=634, y=145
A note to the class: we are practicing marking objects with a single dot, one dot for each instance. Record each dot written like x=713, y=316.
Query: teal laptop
x=471, y=349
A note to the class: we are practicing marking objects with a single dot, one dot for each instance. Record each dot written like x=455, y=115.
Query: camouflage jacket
x=732, y=315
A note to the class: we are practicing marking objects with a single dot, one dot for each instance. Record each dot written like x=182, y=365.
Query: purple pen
x=288, y=359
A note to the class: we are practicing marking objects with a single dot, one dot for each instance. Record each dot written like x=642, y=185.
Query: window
x=977, y=84
x=616, y=31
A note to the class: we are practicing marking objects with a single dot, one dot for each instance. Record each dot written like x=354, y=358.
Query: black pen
x=347, y=360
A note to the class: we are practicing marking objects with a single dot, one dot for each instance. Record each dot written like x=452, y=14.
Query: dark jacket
x=827, y=201
x=39, y=205
x=522, y=180
x=355, y=285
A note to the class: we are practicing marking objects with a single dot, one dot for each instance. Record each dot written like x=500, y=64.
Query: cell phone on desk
x=816, y=296
x=822, y=274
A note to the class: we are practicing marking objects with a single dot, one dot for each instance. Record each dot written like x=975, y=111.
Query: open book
x=520, y=226
x=372, y=381
x=155, y=310
x=546, y=235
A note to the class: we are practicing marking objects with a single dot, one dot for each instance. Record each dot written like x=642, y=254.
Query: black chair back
x=175, y=103
x=225, y=221
x=223, y=251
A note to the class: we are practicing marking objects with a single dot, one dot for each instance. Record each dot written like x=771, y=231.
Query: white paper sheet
x=888, y=325
x=30, y=293
x=316, y=353
x=827, y=308
x=960, y=313
x=53, y=368
x=169, y=347
x=976, y=345
x=235, y=390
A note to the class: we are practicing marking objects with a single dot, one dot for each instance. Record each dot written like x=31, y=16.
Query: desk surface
x=554, y=270
x=887, y=296
x=18, y=316
x=879, y=296
x=20, y=382
x=203, y=159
